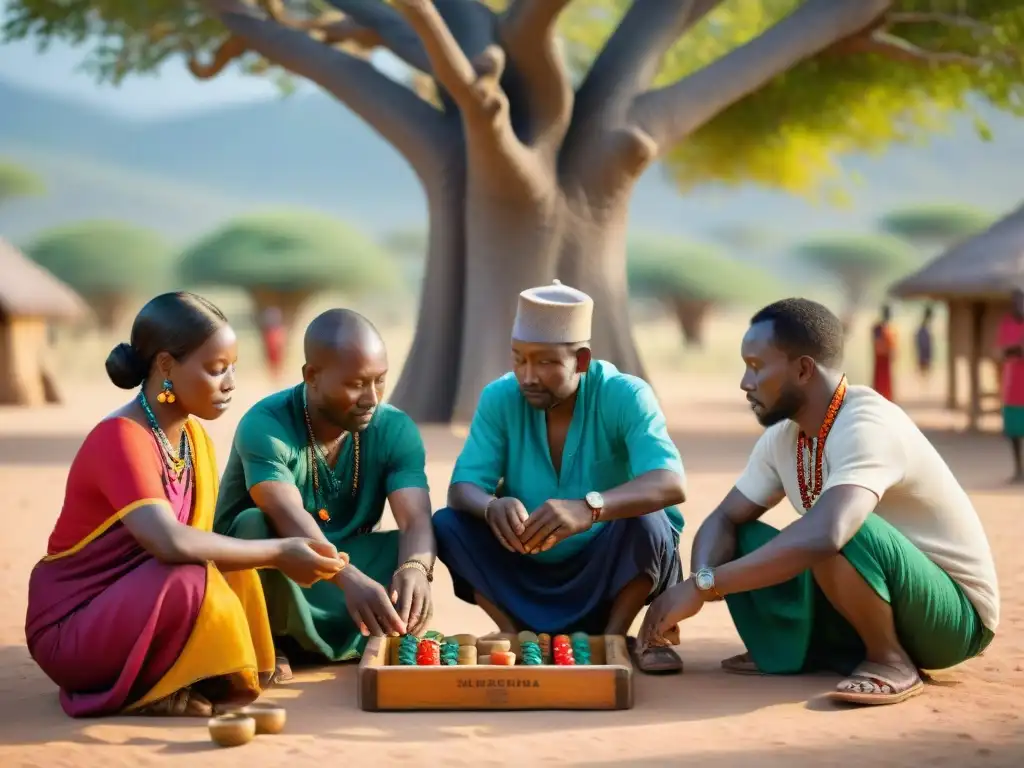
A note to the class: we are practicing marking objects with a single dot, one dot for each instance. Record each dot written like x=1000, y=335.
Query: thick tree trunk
x=691, y=315
x=472, y=287
x=509, y=248
x=593, y=259
x=429, y=379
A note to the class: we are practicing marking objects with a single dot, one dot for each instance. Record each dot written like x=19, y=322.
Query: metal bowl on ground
x=270, y=718
x=232, y=730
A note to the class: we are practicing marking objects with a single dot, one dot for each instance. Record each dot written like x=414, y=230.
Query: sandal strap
x=880, y=674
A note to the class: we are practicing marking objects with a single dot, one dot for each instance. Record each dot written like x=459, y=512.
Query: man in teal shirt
x=320, y=460
x=561, y=511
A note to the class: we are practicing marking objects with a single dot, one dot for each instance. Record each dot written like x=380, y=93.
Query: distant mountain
x=185, y=175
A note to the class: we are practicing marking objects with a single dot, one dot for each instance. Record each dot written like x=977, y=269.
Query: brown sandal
x=183, y=703
x=875, y=684
x=656, y=659
x=282, y=670
x=741, y=664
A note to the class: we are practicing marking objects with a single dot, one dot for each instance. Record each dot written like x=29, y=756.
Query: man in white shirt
x=888, y=570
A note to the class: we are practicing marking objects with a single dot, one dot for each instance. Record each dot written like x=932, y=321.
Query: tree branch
x=527, y=33
x=231, y=49
x=671, y=113
x=631, y=58
x=898, y=49
x=328, y=28
x=412, y=126
x=395, y=34
x=946, y=19
x=475, y=88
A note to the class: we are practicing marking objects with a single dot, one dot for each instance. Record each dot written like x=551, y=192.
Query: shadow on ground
x=936, y=748
x=322, y=703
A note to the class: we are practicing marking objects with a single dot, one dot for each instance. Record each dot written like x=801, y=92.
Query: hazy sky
x=174, y=91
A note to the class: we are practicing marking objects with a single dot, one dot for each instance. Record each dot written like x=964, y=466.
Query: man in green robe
x=887, y=571
x=320, y=460
x=562, y=506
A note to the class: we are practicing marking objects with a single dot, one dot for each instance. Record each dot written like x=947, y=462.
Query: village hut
x=30, y=299
x=974, y=279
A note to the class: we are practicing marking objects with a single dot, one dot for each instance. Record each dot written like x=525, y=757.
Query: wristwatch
x=596, y=503
x=705, y=581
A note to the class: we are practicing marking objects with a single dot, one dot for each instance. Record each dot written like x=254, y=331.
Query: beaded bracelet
x=418, y=564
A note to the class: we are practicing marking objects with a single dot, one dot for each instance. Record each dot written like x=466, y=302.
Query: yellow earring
x=167, y=396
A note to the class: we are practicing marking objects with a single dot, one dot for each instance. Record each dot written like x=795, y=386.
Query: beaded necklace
x=177, y=461
x=315, y=455
x=810, y=487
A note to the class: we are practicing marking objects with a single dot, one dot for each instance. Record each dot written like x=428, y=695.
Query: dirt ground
x=974, y=716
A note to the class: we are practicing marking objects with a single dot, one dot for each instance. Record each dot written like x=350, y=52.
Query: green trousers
x=316, y=618
x=792, y=628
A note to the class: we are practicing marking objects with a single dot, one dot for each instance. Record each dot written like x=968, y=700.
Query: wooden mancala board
x=605, y=683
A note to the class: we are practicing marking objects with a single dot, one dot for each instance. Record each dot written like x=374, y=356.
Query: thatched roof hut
x=30, y=297
x=28, y=290
x=974, y=279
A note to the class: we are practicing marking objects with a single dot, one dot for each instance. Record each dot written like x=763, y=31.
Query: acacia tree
x=111, y=264
x=859, y=262
x=528, y=150
x=16, y=182
x=691, y=279
x=283, y=258
x=936, y=225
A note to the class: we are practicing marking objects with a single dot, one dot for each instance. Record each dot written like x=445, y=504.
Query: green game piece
x=531, y=654
x=580, y=644
x=450, y=653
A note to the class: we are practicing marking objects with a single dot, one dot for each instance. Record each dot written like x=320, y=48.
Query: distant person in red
x=1010, y=340
x=885, y=349
x=924, y=344
x=273, y=332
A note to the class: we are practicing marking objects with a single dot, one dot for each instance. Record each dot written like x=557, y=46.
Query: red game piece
x=428, y=654
x=561, y=641
x=503, y=658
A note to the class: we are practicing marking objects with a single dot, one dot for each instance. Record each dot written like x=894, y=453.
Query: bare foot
x=872, y=684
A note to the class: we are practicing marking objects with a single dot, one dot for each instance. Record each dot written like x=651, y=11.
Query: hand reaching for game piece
x=675, y=604
x=369, y=605
x=410, y=594
x=554, y=521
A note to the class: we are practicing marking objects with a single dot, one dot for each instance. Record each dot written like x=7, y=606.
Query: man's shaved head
x=345, y=370
x=337, y=332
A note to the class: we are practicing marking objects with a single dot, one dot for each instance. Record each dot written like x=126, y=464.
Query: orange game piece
x=503, y=658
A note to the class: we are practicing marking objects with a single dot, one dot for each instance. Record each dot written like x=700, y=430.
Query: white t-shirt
x=874, y=444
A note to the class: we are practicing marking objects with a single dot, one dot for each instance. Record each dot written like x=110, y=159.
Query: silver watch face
x=705, y=580
x=595, y=500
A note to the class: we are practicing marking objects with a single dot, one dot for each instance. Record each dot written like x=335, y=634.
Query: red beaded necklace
x=808, y=495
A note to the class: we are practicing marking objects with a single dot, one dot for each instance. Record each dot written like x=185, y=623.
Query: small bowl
x=232, y=730
x=270, y=718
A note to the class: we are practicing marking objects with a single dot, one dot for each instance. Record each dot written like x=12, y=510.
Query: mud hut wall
x=22, y=345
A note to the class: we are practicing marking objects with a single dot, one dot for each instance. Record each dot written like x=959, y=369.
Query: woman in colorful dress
x=137, y=606
x=884, y=339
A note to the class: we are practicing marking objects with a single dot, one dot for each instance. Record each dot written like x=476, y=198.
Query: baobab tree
x=527, y=161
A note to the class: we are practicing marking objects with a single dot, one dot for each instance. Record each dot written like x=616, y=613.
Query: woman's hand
x=307, y=561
